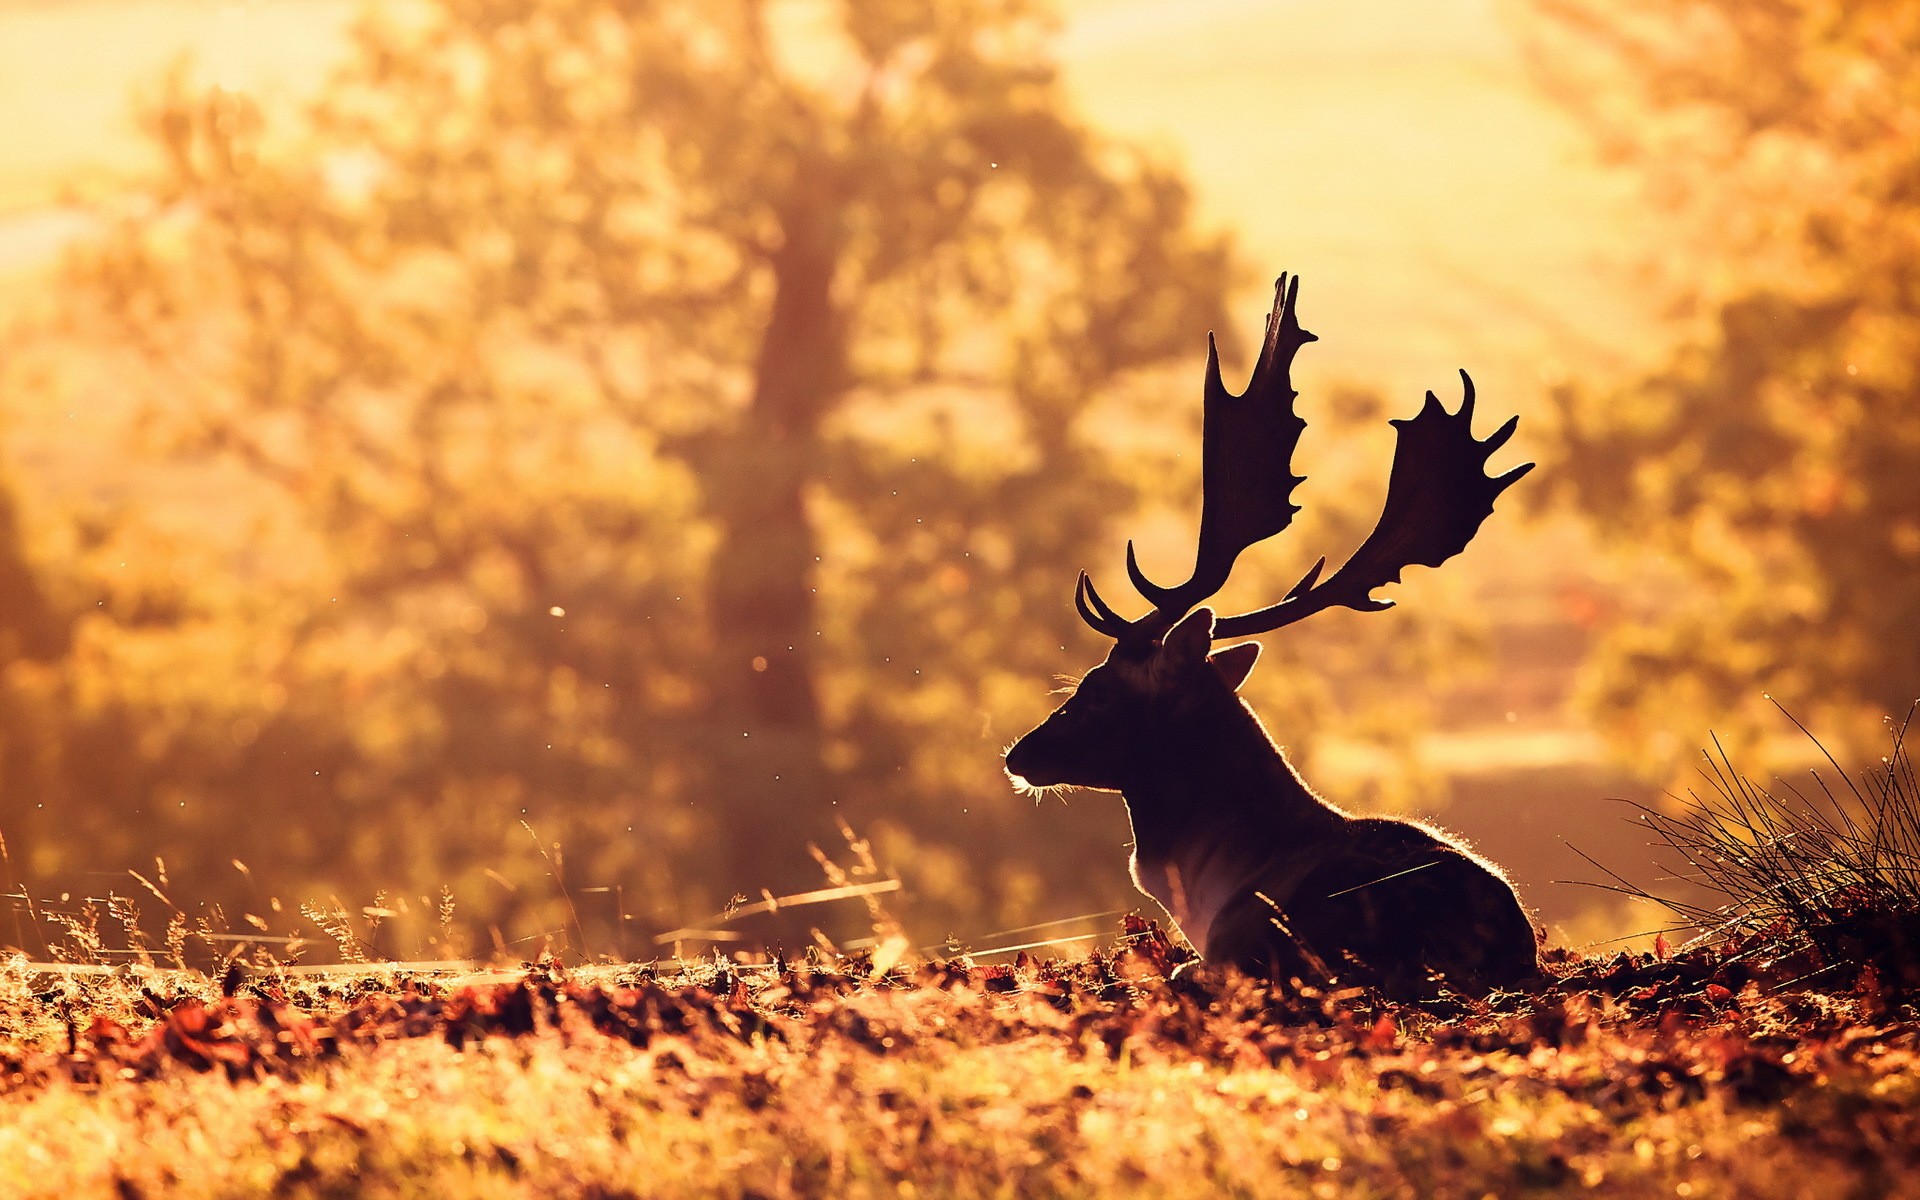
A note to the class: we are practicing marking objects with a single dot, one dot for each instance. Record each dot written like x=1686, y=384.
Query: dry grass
x=1777, y=1055
x=1830, y=871
x=1102, y=1075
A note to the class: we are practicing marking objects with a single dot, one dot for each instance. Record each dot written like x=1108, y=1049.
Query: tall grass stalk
x=1836, y=863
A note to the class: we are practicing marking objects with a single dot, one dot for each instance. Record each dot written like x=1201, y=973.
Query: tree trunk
x=30, y=628
x=771, y=783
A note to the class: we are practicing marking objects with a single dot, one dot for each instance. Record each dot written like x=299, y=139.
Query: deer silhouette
x=1254, y=867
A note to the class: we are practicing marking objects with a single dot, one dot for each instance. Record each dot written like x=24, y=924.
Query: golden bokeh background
x=344, y=461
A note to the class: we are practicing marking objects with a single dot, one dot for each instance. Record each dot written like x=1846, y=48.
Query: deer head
x=1162, y=671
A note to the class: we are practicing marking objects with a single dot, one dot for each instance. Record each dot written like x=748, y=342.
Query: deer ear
x=1235, y=663
x=1187, y=643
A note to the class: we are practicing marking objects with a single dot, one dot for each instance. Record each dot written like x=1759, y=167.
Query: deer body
x=1254, y=868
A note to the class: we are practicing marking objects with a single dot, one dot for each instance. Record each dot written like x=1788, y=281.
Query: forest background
x=557, y=460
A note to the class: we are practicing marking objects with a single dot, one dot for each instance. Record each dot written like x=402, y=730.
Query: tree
x=1772, y=456
x=640, y=416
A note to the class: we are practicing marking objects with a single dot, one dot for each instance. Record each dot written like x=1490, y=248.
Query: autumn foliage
x=1629, y=1075
x=1760, y=474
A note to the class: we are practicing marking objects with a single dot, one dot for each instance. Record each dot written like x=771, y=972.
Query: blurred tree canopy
x=644, y=420
x=604, y=444
x=1773, y=457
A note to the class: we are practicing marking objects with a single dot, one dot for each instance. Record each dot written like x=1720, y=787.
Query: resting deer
x=1254, y=868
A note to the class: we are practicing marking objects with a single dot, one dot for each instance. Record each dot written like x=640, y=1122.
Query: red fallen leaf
x=294, y=1032
x=187, y=1050
x=1719, y=994
x=237, y=1054
x=105, y=1032
x=1000, y=978
x=189, y=1035
x=1383, y=1033
x=191, y=1019
x=1135, y=964
x=461, y=1004
x=1661, y=947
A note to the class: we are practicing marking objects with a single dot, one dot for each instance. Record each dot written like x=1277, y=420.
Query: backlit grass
x=1096, y=1076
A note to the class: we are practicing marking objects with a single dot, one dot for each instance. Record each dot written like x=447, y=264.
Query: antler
x=1438, y=495
x=1437, y=498
x=1246, y=476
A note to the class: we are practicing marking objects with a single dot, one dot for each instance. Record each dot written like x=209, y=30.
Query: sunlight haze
x=1441, y=214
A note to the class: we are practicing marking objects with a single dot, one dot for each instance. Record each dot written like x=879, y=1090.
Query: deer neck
x=1214, y=805
x=1216, y=772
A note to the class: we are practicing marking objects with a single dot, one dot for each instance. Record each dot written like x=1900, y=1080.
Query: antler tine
x=1246, y=472
x=1094, y=611
x=1437, y=497
x=1307, y=581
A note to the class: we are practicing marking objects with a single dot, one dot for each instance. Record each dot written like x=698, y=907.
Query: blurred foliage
x=607, y=444
x=1770, y=461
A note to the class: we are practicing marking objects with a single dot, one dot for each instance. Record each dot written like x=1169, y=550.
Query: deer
x=1253, y=867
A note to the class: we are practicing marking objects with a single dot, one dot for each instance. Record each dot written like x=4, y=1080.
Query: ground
x=1133, y=1072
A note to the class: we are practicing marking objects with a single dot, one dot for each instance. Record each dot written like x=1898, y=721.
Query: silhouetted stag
x=1254, y=867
